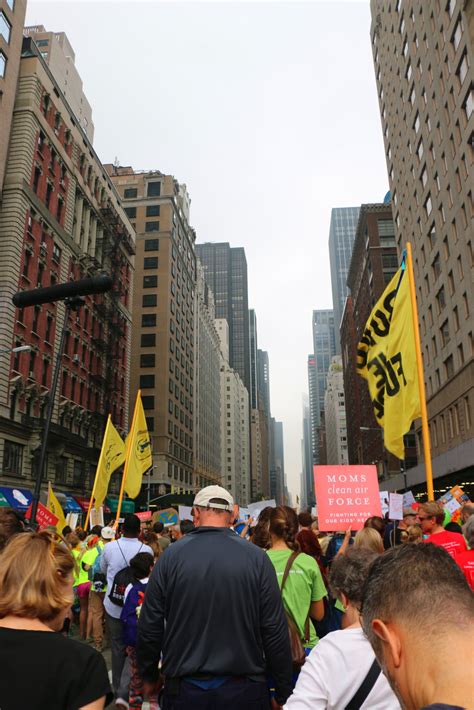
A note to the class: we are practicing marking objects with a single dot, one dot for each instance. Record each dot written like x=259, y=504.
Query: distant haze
x=269, y=113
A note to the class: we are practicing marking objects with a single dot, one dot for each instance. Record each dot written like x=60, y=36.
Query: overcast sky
x=268, y=112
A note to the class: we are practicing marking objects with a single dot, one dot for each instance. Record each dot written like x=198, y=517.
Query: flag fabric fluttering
x=54, y=507
x=139, y=458
x=112, y=456
x=386, y=358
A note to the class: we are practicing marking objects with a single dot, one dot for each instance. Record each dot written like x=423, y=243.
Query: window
x=462, y=68
x=467, y=413
x=154, y=189
x=131, y=212
x=416, y=124
x=13, y=458
x=451, y=283
x=461, y=354
x=148, y=320
x=419, y=150
x=150, y=281
x=148, y=340
x=152, y=227
x=149, y=300
x=436, y=266
x=152, y=244
x=424, y=176
x=5, y=28
x=441, y=299
x=147, y=381
x=150, y=423
x=449, y=366
x=468, y=104
x=3, y=65
x=428, y=205
x=130, y=192
x=445, y=337
x=457, y=35
x=150, y=262
x=147, y=360
x=148, y=402
x=78, y=473
x=153, y=211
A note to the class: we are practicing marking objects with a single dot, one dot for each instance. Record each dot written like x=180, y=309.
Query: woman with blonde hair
x=369, y=539
x=41, y=669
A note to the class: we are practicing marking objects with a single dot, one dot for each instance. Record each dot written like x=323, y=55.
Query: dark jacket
x=219, y=597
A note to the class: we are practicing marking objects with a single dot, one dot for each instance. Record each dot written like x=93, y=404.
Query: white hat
x=107, y=533
x=206, y=496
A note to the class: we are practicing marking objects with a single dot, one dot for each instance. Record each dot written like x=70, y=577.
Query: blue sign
x=18, y=498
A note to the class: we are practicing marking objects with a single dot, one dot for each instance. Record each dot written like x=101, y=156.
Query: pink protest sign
x=346, y=496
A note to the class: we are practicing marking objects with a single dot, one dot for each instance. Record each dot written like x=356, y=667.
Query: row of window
x=151, y=211
x=448, y=426
x=153, y=189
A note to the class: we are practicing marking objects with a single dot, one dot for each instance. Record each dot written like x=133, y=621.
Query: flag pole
x=421, y=378
x=99, y=463
x=127, y=459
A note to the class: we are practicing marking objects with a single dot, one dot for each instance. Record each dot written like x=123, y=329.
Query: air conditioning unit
x=43, y=246
x=75, y=358
x=31, y=375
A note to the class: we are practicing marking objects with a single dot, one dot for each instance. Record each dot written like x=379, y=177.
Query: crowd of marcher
x=206, y=615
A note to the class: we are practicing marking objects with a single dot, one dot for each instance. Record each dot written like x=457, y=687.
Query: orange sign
x=346, y=496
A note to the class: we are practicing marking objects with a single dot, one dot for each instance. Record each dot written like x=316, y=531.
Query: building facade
x=207, y=412
x=253, y=359
x=341, y=238
x=423, y=59
x=61, y=219
x=278, y=449
x=163, y=339
x=225, y=269
x=235, y=425
x=324, y=343
x=307, y=497
x=58, y=54
x=335, y=415
x=12, y=17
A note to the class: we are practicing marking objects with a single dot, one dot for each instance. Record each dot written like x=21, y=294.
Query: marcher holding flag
x=389, y=358
x=112, y=455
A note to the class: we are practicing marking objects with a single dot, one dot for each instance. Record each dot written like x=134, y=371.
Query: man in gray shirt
x=115, y=557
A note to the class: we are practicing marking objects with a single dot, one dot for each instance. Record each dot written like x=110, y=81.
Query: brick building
x=60, y=219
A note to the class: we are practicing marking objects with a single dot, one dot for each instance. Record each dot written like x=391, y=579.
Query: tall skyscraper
x=307, y=481
x=12, y=17
x=324, y=343
x=341, y=238
x=424, y=66
x=279, y=461
x=335, y=415
x=58, y=54
x=235, y=425
x=163, y=363
x=207, y=396
x=60, y=219
x=225, y=269
x=253, y=360
x=313, y=406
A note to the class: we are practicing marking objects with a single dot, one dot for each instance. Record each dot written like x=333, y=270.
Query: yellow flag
x=386, y=358
x=112, y=456
x=138, y=451
x=54, y=507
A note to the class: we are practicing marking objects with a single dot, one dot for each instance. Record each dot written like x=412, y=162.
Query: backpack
x=97, y=578
x=122, y=579
x=131, y=612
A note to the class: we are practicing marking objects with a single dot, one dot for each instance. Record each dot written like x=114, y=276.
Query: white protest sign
x=396, y=506
x=96, y=517
x=71, y=520
x=452, y=505
x=384, y=502
x=185, y=512
x=408, y=499
x=256, y=508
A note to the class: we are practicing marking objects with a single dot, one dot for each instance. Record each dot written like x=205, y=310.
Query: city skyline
x=217, y=192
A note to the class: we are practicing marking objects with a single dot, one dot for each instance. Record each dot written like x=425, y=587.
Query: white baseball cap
x=107, y=533
x=206, y=496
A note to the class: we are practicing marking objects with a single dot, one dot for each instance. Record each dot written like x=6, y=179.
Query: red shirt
x=466, y=562
x=454, y=543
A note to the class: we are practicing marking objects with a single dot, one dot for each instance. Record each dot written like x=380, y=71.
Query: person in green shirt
x=81, y=584
x=304, y=590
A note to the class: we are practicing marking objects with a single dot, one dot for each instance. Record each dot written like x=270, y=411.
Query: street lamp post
x=18, y=349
